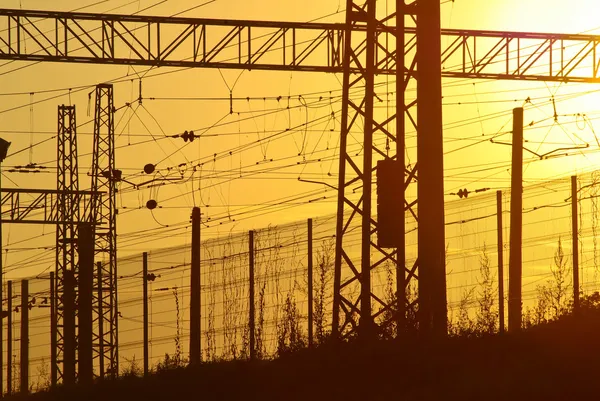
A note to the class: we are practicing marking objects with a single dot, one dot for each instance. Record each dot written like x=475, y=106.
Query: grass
x=551, y=361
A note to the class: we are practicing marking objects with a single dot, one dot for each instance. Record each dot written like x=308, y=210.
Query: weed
x=178, y=328
x=487, y=315
x=132, y=369
x=211, y=348
x=464, y=327
x=290, y=337
x=325, y=257
x=553, y=297
x=43, y=377
x=170, y=363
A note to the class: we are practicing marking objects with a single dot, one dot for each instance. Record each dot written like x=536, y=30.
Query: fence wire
x=281, y=280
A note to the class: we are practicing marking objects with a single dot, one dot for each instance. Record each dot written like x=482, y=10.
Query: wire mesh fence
x=281, y=281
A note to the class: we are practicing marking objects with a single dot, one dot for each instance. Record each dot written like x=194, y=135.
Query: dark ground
x=555, y=361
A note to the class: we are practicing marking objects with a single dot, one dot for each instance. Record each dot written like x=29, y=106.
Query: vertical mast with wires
x=353, y=309
x=67, y=183
x=104, y=179
x=357, y=308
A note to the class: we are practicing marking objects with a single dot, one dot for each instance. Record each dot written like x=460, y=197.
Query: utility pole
x=24, y=362
x=575, y=229
x=53, y=333
x=430, y=156
x=69, y=340
x=400, y=169
x=85, y=244
x=251, y=291
x=500, y=261
x=310, y=283
x=100, y=320
x=516, y=225
x=145, y=296
x=1, y=304
x=365, y=325
x=9, y=340
x=4, y=145
x=195, y=300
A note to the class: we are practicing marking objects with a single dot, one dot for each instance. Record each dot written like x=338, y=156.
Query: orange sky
x=226, y=195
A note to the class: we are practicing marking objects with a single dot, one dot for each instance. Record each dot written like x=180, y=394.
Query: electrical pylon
x=104, y=178
x=415, y=57
x=67, y=184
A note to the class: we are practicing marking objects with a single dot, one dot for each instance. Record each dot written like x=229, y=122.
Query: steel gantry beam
x=40, y=206
x=266, y=45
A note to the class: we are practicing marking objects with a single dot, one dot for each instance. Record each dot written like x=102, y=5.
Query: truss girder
x=39, y=206
x=175, y=42
x=243, y=44
x=105, y=236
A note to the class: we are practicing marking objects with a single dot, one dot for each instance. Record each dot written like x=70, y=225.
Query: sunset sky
x=232, y=189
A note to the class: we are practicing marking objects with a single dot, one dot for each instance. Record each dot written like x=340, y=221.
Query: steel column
x=251, y=318
x=68, y=211
x=195, y=334
x=104, y=178
x=69, y=332
x=24, y=358
x=53, y=333
x=361, y=126
x=575, y=239
x=430, y=156
x=401, y=83
x=500, y=261
x=310, y=282
x=9, y=340
x=85, y=244
x=145, y=309
x=516, y=225
x=99, y=302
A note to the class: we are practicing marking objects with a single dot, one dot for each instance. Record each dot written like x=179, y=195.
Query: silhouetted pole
x=575, y=228
x=500, y=262
x=516, y=225
x=366, y=327
x=1, y=303
x=310, y=282
x=145, y=300
x=53, y=361
x=195, y=312
x=400, y=170
x=24, y=337
x=1, y=323
x=251, y=290
x=100, y=321
x=85, y=245
x=9, y=339
x=68, y=328
x=4, y=145
x=433, y=316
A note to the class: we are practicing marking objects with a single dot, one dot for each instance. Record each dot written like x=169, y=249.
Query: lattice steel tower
x=376, y=41
x=104, y=177
x=68, y=214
